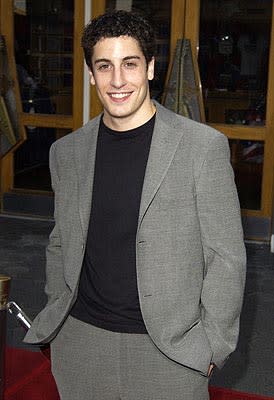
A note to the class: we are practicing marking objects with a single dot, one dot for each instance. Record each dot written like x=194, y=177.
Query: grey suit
x=190, y=256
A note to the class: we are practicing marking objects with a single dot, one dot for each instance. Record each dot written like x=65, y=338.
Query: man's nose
x=118, y=79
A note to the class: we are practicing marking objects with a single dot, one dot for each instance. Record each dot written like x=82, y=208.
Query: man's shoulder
x=79, y=134
x=190, y=129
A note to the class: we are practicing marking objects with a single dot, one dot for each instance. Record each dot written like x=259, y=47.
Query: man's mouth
x=119, y=96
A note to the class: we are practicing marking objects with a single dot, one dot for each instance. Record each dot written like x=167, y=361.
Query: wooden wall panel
x=268, y=171
x=78, y=65
x=98, y=8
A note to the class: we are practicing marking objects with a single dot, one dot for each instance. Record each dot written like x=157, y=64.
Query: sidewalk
x=249, y=369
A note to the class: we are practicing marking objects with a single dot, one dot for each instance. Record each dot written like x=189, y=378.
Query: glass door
x=48, y=69
x=44, y=63
x=233, y=41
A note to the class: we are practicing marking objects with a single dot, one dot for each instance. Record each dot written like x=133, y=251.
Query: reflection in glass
x=159, y=13
x=44, y=54
x=31, y=161
x=233, y=59
x=247, y=161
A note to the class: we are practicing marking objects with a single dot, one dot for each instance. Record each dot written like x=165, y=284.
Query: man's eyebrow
x=131, y=57
x=99, y=60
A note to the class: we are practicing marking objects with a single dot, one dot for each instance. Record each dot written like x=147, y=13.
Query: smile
x=119, y=95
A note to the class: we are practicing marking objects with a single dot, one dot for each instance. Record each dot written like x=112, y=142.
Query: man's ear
x=150, y=69
x=92, y=80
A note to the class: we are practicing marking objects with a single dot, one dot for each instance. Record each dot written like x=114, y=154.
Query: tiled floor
x=249, y=369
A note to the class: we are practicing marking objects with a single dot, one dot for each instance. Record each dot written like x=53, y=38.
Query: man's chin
x=119, y=113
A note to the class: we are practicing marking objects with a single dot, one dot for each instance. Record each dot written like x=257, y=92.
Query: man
x=145, y=264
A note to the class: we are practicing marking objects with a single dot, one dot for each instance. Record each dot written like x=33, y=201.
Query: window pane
x=44, y=56
x=247, y=161
x=233, y=59
x=159, y=13
x=31, y=160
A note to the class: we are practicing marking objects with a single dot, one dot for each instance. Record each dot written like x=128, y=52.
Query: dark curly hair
x=119, y=23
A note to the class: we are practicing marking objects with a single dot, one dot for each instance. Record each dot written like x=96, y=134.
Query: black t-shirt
x=108, y=296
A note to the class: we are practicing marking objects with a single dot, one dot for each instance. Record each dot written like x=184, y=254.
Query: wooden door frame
x=45, y=120
x=264, y=134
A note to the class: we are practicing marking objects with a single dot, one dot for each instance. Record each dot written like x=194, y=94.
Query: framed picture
x=183, y=93
x=7, y=136
x=12, y=132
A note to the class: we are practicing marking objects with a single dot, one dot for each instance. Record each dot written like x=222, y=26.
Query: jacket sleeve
x=224, y=250
x=55, y=284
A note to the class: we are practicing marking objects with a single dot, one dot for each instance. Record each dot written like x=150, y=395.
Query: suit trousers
x=90, y=363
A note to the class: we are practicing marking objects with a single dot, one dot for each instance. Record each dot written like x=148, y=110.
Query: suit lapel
x=85, y=153
x=164, y=143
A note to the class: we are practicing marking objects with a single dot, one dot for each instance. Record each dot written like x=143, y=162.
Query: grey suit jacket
x=190, y=256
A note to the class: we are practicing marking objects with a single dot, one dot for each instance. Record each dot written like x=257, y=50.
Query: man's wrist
x=210, y=369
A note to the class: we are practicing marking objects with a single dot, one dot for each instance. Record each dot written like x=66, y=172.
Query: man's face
x=121, y=75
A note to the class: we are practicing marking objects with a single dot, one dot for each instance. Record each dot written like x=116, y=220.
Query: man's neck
x=131, y=122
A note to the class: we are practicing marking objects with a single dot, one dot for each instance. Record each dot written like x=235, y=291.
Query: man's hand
x=210, y=369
